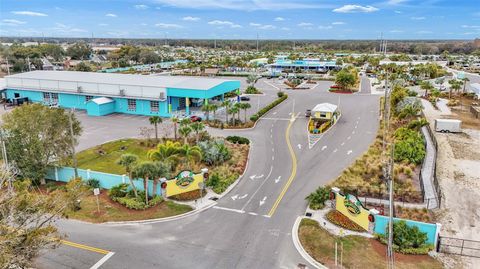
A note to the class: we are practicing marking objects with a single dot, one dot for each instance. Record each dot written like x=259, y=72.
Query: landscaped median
x=281, y=97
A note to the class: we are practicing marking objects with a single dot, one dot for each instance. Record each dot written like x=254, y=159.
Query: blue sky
x=242, y=19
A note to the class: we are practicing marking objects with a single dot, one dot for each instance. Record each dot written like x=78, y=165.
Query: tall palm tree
x=465, y=80
x=190, y=153
x=207, y=108
x=161, y=170
x=427, y=86
x=214, y=108
x=128, y=161
x=454, y=85
x=146, y=171
x=233, y=110
x=197, y=127
x=155, y=120
x=175, y=121
x=227, y=105
x=185, y=132
x=165, y=152
x=244, y=107
x=238, y=106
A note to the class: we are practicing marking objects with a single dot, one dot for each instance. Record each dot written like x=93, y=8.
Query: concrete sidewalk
x=428, y=170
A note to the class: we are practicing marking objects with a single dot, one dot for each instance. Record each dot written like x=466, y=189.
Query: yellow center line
x=294, y=169
x=76, y=245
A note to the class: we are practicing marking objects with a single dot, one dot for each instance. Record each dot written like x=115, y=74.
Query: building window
x=54, y=98
x=154, y=106
x=132, y=105
x=323, y=114
x=88, y=98
x=46, y=97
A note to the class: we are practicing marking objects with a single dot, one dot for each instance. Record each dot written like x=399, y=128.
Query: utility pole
x=257, y=42
x=74, y=157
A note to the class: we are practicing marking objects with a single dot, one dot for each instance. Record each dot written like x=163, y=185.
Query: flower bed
x=340, y=220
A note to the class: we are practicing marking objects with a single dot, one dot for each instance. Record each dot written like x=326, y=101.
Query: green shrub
x=409, y=146
x=237, y=140
x=317, y=198
x=407, y=239
x=93, y=183
x=417, y=124
x=118, y=191
x=131, y=202
x=214, y=152
x=280, y=94
x=252, y=90
x=51, y=186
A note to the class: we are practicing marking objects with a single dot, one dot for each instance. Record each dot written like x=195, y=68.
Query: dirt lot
x=458, y=172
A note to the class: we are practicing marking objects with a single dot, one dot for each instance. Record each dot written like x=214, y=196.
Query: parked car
x=244, y=98
x=308, y=113
x=195, y=118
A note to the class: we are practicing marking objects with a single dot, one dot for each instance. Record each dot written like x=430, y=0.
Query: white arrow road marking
x=299, y=146
x=349, y=152
x=278, y=179
x=343, y=143
x=243, y=196
x=252, y=213
x=290, y=113
x=356, y=126
x=348, y=138
x=335, y=150
x=263, y=200
x=274, y=113
x=324, y=147
x=235, y=197
x=252, y=177
x=353, y=132
x=273, y=158
x=259, y=176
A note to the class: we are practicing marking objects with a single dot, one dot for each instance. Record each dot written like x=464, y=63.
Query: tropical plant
x=454, y=85
x=145, y=170
x=214, y=152
x=197, y=127
x=92, y=183
x=155, y=120
x=237, y=140
x=214, y=108
x=185, y=131
x=233, y=110
x=405, y=237
x=207, y=109
x=427, y=86
x=128, y=161
x=345, y=79
x=190, y=153
x=245, y=107
x=317, y=198
x=465, y=80
x=251, y=80
x=165, y=152
x=227, y=105
x=162, y=170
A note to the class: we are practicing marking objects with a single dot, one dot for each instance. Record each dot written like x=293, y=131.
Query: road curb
x=299, y=247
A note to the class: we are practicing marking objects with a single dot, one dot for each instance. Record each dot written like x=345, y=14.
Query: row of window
x=52, y=98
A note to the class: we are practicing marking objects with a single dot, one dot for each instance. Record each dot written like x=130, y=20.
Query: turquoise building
x=102, y=93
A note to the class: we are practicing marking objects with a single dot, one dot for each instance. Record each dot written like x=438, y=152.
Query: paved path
x=251, y=226
x=428, y=171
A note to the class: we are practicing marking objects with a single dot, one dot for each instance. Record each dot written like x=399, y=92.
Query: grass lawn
x=92, y=159
x=358, y=252
x=111, y=211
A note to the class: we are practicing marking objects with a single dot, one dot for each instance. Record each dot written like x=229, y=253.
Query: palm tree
x=184, y=122
x=214, y=108
x=128, y=161
x=238, y=106
x=207, y=108
x=197, y=127
x=227, y=105
x=233, y=110
x=161, y=170
x=426, y=85
x=175, y=121
x=185, y=132
x=245, y=106
x=465, y=80
x=146, y=171
x=454, y=85
x=155, y=120
x=166, y=152
x=190, y=153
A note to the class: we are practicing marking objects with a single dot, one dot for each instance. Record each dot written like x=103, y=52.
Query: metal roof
x=325, y=107
x=191, y=83
x=102, y=100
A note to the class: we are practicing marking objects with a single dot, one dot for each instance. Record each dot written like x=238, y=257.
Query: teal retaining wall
x=107, y=181
x=381, y=224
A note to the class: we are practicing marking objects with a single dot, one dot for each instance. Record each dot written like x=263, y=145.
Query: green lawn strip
x=111, y=211
x=358, y=252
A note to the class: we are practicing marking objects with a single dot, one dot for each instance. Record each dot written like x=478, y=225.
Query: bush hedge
x=340, y=220
x=123, y=196
x=267, y=108
x=252, y=90
x=407, y=239
x=237, y=140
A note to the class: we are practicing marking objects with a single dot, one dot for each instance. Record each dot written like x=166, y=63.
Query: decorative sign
x=352, y=204
x=96, y=191
x=352, y=208
x=184, y=179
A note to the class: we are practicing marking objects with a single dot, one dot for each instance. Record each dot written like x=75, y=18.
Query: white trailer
x=448, y=125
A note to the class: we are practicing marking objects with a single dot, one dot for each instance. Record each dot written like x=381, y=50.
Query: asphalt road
x=251, y=226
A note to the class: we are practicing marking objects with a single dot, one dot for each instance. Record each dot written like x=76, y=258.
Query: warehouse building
x=102, y=94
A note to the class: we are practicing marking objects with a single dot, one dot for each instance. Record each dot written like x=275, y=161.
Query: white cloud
x=396, y=31
x=355, y=9
x=30, y=13
x=12, y=22
x=471, y=26
x=168, y=25
x=396, y=2
x=102, y=24
x=279, y=19
x=62, y=28
x=143, y=24
x=417, y=18
x=111, y=15
x=305, y=24
x=224, y=23
x=398, y=12
x=338, y=23
x=423, y=32
x=263, y=26
x=244, y=5
x=140, y=7
x=285, y=29
x=190, y=18
x=323, y=27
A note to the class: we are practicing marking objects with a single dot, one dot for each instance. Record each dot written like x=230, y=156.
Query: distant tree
x=251, y=80
x=454, y=85
x=83, y=67
x=465, y=80
x=155, y=120
x=52, y=50
x=79, y=51
x=345, y=79
x=38, y=136
x=427, y=86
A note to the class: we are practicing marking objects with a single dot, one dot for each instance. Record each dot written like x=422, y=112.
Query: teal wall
x=381, y=224
x=94, y=109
